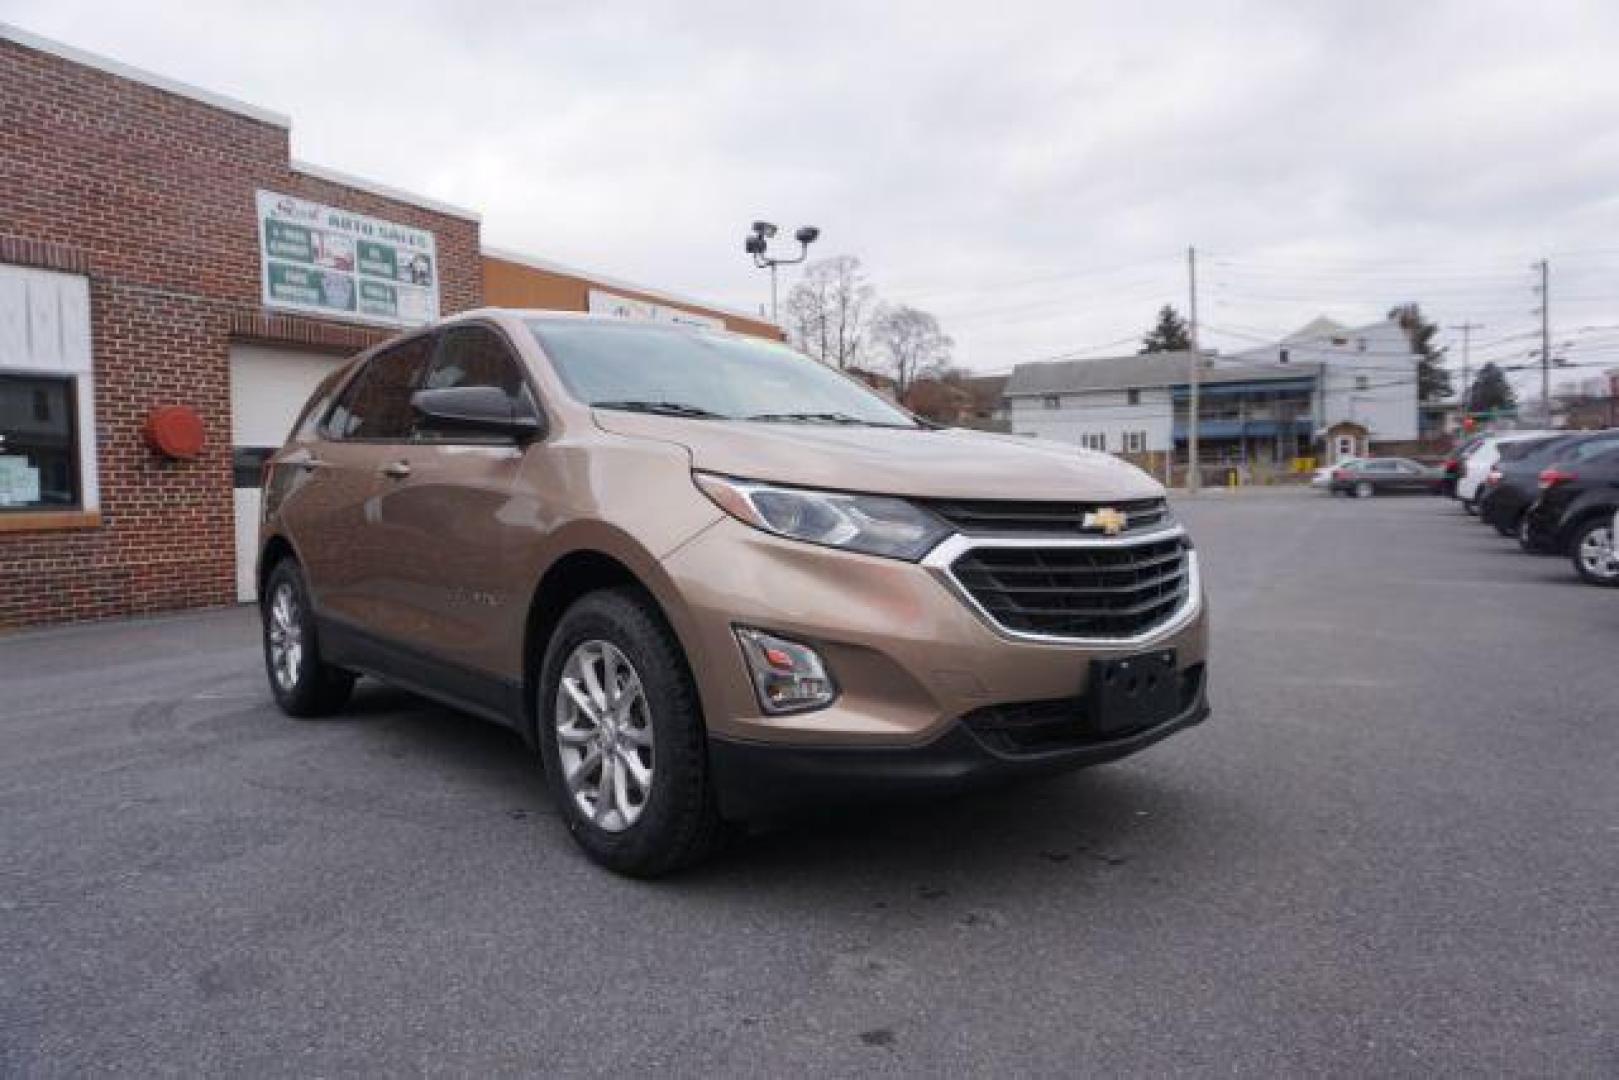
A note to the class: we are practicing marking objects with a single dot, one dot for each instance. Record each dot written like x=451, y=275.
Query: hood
x=922, y=463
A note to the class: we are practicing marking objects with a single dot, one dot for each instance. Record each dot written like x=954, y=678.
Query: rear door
x=1409, y=476
x=334, y=518
x=450, y=525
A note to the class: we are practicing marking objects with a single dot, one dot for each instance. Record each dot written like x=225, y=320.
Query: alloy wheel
x=286, y=636
x=604, y=735
x=1597, y=554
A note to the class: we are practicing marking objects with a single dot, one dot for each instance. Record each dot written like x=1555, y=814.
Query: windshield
x=683, y=372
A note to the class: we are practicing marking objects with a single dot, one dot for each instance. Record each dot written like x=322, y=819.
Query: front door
x=447, y=523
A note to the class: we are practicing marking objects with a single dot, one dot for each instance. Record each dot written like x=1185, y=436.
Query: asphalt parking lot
x=1393, y=850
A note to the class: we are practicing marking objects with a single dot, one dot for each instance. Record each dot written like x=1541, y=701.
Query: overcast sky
x=1032, y=173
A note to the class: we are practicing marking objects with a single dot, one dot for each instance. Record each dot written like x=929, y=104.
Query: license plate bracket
x=1130, y=692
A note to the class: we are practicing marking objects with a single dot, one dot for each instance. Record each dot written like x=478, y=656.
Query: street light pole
x=1194, y=472
x=759, y=239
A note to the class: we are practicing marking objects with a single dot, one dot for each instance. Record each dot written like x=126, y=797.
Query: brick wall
x=152, y=195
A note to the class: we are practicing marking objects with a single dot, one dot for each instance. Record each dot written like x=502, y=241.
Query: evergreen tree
x=1491, y=391
x=1171, y=334
x=1433, y=381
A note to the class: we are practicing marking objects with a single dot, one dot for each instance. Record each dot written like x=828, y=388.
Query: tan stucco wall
x=512, y=284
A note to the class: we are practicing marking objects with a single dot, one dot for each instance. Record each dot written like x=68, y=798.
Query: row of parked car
x=1555, y=492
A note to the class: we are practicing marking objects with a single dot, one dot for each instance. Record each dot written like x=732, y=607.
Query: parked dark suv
x=1515, y=484
x=1575, y=513
x=1512, y=485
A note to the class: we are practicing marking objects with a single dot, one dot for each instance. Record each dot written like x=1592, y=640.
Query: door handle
x=396, y=469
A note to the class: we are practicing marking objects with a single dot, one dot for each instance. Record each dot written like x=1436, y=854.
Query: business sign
x=319, y=260
x=606, y=303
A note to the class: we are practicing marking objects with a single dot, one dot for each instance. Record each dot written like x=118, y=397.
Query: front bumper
x=755, y=781
x=911, y=654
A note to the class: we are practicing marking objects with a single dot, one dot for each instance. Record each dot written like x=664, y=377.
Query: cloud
x=1032, y=172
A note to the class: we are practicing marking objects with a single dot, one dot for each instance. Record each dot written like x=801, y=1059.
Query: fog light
x=788, y=677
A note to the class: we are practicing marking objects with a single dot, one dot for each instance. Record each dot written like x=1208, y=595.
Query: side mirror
x=486, y=409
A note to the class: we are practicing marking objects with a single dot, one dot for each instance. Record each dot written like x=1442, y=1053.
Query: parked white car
x=1483, y=459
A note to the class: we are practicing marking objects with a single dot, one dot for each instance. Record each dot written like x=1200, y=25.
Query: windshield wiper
x=661, y=408
x=815, y=418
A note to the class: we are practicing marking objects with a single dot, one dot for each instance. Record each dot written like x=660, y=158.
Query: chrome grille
x=999, y=517
x=1097, y=591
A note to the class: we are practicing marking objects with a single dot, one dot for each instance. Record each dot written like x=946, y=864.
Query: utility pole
x=1194, y=477
x=1467, y=329
x=1545, y=340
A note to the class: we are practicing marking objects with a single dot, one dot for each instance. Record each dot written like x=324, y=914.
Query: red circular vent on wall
x=175, y=431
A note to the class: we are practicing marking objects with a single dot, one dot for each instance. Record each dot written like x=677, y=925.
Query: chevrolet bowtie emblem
x=1109, y=520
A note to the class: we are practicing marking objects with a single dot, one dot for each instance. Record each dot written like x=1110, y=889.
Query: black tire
x=1526, y=541
x=679, y=823
x=1587, y=574
x=1506, y=529
x=310, y=687
x=1469, y=507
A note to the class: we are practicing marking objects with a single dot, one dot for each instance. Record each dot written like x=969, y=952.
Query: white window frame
x=45, y=331
x=1093, y=440
x=1052, y=401
x=1135, y=442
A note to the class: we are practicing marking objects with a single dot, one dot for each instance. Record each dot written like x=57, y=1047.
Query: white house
x=1368, y=381
x=1324, y=388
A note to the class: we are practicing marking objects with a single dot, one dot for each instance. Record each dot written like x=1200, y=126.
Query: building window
x=47, y=438
x=1093, y=440
x=1135, y=442
x=39, y=436
x=1053, y=401
x=1362, y=383
x=1132, y=397
x=1360, y=344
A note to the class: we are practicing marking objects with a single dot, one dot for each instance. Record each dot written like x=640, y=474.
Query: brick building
x=160, y=251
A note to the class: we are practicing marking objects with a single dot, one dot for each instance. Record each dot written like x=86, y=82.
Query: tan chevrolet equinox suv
x=712, y=580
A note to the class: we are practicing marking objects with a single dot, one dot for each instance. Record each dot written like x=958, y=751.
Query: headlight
x=873, y=524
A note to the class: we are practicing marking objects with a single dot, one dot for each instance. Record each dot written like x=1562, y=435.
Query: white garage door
x=268, y=388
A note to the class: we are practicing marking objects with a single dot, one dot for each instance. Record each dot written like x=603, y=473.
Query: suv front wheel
x=622, y=736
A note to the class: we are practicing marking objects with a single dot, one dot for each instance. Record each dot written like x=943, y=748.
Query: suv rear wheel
x=1595, y=558
x=304, y=685
x=622, y=736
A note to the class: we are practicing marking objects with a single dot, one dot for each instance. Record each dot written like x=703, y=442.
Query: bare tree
x=910, y=343
x=829, y=310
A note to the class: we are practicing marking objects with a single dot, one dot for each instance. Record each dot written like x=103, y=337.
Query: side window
x=376, y=405
x=475, y=356
x=39, y=443
x=1595, y=448
x=308, y=424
